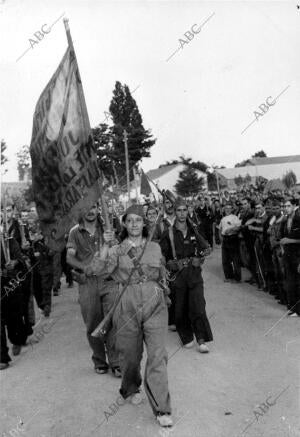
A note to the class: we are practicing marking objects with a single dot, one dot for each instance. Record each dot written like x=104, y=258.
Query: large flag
x=64, y=162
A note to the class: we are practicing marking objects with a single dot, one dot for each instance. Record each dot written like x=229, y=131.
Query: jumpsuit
x=141, y=316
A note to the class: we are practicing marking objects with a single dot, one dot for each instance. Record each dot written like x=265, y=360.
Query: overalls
x=141, y=316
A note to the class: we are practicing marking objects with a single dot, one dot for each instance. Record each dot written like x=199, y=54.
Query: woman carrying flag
x=141, y=316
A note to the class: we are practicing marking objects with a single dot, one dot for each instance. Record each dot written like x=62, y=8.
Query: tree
x=197, y=165
x=289, y=179
x=189, y=182
x=175, y=161
x=259, y=154
x=244, y=163
x=126, y=116
x=3, y=157
x=102, y=139
x=24, y=163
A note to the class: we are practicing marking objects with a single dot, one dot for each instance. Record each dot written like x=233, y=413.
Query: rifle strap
x=136, y=262
x=171, y=236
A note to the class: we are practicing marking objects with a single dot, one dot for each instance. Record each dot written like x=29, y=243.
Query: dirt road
x=248, y=385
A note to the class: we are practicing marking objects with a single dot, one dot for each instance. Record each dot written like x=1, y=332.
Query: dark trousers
x=209, y=234
x=12, y=322
x=57, y=270
x=231, y=257
x=26, y=292
x=43, y=282
x=190, y=313
x=292, y=281
x=278, y=274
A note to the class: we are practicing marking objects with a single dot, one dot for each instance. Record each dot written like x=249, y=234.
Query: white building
x=269, y=168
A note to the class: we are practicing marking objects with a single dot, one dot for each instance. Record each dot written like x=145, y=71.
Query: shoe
x=165, y=420
x=46, y=310
x=116, y=372
x=4, y=366
x=293, y=315
x=203, y=348
x=32, y=340
x=172, y=328
x=16, y=349
x=136, y=398
x=189, y=345
x=101, y=370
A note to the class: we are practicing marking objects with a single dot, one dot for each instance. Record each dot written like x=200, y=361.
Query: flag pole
x=103, y=202
x=70, y=43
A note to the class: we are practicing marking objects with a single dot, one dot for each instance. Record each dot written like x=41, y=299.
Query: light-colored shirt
x=229, y=222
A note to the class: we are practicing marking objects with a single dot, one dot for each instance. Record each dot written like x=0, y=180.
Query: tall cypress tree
x=126, y=116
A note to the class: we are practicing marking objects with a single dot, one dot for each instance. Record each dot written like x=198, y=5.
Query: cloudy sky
x=197, y=102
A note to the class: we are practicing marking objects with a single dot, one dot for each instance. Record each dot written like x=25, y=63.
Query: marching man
x=183, y=254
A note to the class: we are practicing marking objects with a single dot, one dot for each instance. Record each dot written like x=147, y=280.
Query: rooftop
x=275, y=160
x=159, y=172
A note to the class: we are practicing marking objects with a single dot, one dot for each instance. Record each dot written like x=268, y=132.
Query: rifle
x=6, y=237
x=105, y=325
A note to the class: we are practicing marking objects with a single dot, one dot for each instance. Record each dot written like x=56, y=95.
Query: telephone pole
x=125, y=136
x=135, y=185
